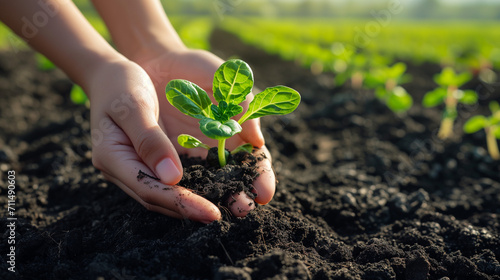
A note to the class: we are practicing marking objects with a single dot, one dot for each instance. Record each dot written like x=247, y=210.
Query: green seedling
x=387, y=84
x=43, y=63
x=491, y=126
x=78, y=96
x=449, y=93
x=233, y=81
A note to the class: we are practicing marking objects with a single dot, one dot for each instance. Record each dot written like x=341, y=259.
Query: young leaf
x=396, y=71
x=475, y=124
x=188, y=98
x=188, y=141
x=44, y=63
x=494, y=107
x=381, y=93
x=278, y=100
x=243, y=148
x=77, y=95
x=217, y=130
x=233, y=81
x=434, y=98
x=446, y=77
x=496, y=131
x=225, y=111
x=399, y=100
x=462, y=78
x=468, y=97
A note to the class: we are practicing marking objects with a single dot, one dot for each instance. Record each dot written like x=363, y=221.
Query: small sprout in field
x=43, y=63
x=491, y=126
x=449, y=93
x=233, y=81
x=386, y=81
x=78, y=96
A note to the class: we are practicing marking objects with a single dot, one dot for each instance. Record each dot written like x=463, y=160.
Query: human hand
x=199, y=67
x=128, y=137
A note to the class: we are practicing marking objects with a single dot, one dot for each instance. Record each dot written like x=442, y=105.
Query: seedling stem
x=491, y=143
x=221, y=150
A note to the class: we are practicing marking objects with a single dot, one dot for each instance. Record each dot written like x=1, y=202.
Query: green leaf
x=494, y=107
x=462, y=78
x=434, y=98
x=188, y=141
x=278, y=100
x=44, y=63
x=243, y=148
x=496, y=131
x=77, y=95
x=381, y=93
x=396, y=71
x=468, y=97
x=375, y=78
x=475, y=124
x=399, y=100
x=217, y=130
x=446, y=77
x=188, y=98
x=225, y=111
x=233, y=81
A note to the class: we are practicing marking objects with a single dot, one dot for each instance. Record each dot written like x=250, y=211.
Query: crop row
x=458, y=44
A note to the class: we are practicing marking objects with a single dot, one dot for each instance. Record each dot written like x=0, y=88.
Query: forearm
x=57, y=29
x=139, y=27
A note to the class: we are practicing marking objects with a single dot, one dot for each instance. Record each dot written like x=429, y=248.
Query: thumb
x=152, y=145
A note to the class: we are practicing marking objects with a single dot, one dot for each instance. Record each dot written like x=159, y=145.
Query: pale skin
x=133, y=126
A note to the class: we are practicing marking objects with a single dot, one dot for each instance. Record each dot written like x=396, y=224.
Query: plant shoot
x=233, y=81
x=491, y=126
x=386, y=81
x=449, y=93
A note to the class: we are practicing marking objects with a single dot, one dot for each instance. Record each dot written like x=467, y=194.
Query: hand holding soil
x=129, y=128
x=199, y=67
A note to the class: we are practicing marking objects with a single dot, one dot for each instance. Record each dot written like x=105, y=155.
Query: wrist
x=155, y=48
x=99, y=69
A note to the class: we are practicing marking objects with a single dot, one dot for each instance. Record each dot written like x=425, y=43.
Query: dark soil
x=217, y=184
x=362, y=194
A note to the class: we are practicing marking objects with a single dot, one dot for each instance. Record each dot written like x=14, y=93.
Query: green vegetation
x=491, y=126
x=449, y=93
x=386, y=81
x=233, y=81
x=461, y=44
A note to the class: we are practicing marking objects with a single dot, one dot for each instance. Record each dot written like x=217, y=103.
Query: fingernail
x=168, y=171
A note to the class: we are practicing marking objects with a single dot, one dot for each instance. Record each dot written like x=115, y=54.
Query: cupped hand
x=199, y=66
x=128, y=137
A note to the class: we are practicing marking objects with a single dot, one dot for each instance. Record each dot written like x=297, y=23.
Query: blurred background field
x=339, y=36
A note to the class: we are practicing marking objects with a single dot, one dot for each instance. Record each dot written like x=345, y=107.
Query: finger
x=173, y=201
x=265, y=183
x=129, y=192
x=149, y=140
x=240, y=204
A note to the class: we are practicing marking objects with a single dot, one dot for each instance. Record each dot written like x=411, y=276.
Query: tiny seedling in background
x=233, y=81
x=449, y=93
x=387, y=84
x=347, y=64
x=78, y=96
x=43, y=63
x=491, y=126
